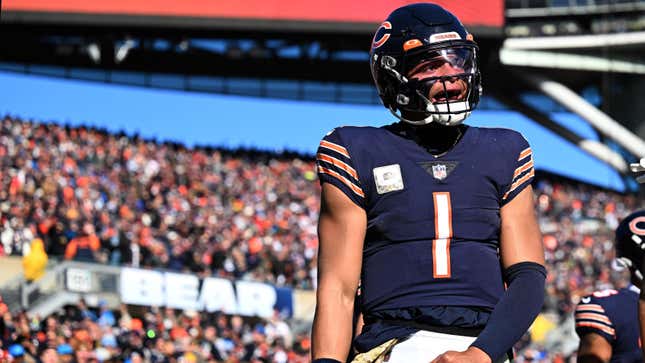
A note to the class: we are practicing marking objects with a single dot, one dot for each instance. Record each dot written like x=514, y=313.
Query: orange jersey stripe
x=338, y=163
x=526, y=152
x=593, y=316
x=523, y=168
x=337, y=148
x=590, y=307
x=598, y=326
x=345, y=181
x=519, y=182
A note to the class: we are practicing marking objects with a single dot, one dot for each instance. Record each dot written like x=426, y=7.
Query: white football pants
x=424, y=346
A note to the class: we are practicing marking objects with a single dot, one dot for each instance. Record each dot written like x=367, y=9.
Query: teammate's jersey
x=433, y=223
x=613, y=314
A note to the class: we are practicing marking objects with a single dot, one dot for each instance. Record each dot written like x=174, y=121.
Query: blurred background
x=159, y=197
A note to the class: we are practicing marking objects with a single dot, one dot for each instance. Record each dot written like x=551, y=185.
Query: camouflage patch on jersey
x=388, y=178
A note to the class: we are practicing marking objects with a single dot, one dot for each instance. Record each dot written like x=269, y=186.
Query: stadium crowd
x=83, y=335
x=85, y=194
x=94, y=196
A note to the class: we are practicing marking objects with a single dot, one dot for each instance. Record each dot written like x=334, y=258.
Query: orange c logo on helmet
x=377, y=43
x=633, y=226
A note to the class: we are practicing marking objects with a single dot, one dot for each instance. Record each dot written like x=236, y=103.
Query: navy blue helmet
x=630, y=242
x=424, y=64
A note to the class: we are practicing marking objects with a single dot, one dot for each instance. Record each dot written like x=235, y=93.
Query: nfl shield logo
x=439, y=171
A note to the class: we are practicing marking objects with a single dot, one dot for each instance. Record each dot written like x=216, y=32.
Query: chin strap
x=449, y=114
x=439, y=113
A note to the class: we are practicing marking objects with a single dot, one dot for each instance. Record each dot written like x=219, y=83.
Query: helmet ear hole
x=389, y=61
x=402, y=99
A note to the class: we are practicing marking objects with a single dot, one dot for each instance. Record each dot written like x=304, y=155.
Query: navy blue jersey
x=433, y=222
x=612, y=314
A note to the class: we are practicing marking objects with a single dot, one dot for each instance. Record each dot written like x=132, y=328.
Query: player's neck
x=438, y=139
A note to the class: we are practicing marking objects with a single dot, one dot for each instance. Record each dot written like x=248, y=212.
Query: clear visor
x=441, y=63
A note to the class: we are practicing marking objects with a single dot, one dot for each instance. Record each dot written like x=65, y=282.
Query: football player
x=606, y=320
x=433, y=217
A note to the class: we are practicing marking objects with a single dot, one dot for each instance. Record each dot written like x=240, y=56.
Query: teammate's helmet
x=420, y=39
x=630, y=242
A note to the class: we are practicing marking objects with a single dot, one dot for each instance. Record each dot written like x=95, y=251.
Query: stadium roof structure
x=551, y=45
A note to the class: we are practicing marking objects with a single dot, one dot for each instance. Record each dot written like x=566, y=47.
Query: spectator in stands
x=49, y=355
x=3, y=307
x=17, y=352
x=56, y=239
x=35, y=261
x=84, y=312
x=66, y=353
x=106, y=316
x=20, y=354
x=83, y=247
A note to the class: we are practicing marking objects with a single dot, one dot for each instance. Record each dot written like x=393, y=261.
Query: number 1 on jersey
x=443, y=234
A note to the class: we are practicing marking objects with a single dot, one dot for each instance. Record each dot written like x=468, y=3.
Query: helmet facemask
x=437, y=84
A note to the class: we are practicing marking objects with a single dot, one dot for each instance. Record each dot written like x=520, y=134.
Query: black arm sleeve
x=515, y=311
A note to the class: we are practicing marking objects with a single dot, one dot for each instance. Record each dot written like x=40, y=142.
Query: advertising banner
x=187, y=292
x=487, y=13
